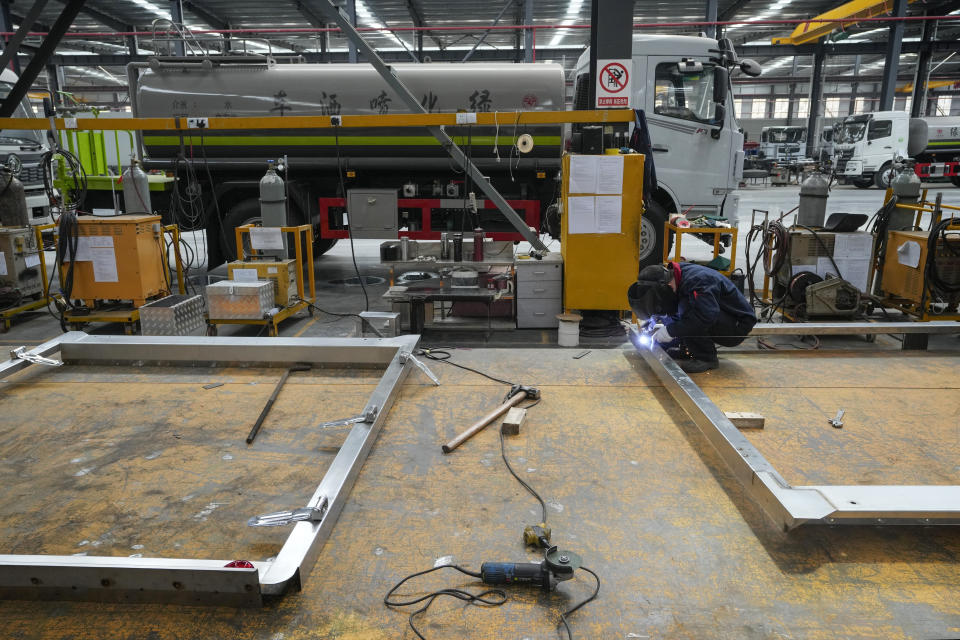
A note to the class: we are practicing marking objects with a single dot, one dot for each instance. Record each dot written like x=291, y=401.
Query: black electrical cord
x=936, y=282
x=476, y=599
x=442, y=355
x=343, y=192
x=523, y=483
x=580, y=605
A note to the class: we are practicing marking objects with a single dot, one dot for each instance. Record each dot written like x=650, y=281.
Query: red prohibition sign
x=615, y=77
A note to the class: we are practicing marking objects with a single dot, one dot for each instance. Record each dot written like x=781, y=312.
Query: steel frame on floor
x=792, y=506
x=210, y=581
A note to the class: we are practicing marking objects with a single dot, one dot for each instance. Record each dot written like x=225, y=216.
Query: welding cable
x=523, y=483
x=936, y=283
x=343, y=192
x=477, y=599
x=442, y=355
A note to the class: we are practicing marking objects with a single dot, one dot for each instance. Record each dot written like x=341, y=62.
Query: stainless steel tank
x=136, y=189
x=333, y=89
x=273, y=204
x=906, y=186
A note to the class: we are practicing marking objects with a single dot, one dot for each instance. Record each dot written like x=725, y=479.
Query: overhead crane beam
x=840, y=18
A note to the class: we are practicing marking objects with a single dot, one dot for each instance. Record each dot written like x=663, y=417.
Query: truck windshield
x=851, y=132
x=23, y=110
x=688, y=96
x=785, y=134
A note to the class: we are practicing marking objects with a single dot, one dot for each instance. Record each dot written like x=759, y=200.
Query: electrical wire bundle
x=343, y=192
x=68, y=240
x=937, y=283
x=774, y=251
x=489, y=597
x=78, y=193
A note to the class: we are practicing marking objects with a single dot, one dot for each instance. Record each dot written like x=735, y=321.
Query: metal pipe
x=480, y=424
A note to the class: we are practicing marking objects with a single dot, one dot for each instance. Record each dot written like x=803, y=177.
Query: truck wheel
x=884, y=176
x=322, y=245
x=651, y=234
x=955, y=180
x=862, y=183
x=244, y=212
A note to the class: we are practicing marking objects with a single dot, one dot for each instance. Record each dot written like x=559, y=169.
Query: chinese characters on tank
x=480, y=100
x=429, y=102
x=280, y=102
x=381, y=104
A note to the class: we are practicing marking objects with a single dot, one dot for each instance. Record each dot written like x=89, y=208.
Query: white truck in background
x=783, y=144
x=23, y=152
x=867, y=145
x=682, y=84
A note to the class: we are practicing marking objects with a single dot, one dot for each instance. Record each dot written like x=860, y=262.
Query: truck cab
x=784, y=144
x=866, y=145
x=697, y=142
x=22, y=151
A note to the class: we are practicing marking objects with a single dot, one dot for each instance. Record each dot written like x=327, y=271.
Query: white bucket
x=568, y=334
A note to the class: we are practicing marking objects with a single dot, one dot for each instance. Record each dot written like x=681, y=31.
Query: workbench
x=138, y=463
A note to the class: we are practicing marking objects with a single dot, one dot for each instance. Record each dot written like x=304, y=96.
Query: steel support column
x=922, y=75
x=41, y=57
x=891, y=64
x=176, y=16
x=53, y=83
x=13, y=44
x=351, y=8
x=528, y=34
x=816, y=94
x=791, y=108
x=611, y=36
x=854, y=86
x=711, y=16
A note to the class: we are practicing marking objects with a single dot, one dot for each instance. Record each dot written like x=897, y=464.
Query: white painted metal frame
x=209, y=581
x=791, y=506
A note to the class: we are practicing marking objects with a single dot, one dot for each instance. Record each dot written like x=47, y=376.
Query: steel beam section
x=10, y=50
x=891, y=64
x=789, y=506
x=853, y=328
x=413, y=103
x=209, y=581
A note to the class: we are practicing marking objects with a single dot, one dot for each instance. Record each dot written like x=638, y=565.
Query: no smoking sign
x=613, y=83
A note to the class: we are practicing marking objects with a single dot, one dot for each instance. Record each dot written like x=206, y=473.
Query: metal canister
x=478, y=236
x=458, y=247
x=444, y=246
x=404, y=248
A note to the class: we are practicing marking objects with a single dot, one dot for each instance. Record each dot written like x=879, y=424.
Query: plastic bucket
x=568, y=334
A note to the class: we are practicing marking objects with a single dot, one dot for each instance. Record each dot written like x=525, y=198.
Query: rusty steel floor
x=630, y=484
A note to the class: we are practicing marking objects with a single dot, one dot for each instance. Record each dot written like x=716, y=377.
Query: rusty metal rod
x=479, y=425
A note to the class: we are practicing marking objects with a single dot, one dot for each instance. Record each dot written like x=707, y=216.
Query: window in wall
x=862, y=105
x=803, y=108
x=943, y=106
x=781, y=108
x=832, y=108
x=759, y=108
x=738, y=108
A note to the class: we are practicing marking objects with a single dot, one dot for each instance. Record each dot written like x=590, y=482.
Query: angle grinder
x=557, y=566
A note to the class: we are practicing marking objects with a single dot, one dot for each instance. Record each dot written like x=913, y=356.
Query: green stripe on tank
x=330, y=141
x=944, y=143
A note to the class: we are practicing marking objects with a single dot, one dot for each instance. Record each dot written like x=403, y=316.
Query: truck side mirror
x=751, y=67
x=721, y=84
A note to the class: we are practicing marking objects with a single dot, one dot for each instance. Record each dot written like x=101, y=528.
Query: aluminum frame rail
x=210, y=581
x=793, y=506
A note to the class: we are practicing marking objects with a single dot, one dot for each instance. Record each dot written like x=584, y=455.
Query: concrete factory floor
x=101, y=461
x=337, y=265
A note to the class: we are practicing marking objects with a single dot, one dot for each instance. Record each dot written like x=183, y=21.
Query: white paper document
x=608, y=213
x=3, y=264
x=856, y=271
x=583, y=174
x=104, y=264
x=31, y=260
x=853, y=245
x=85, y=243
x=909, y=254
x=582, y=215
x=265, y=238
x=610, y=174
x=245, y=275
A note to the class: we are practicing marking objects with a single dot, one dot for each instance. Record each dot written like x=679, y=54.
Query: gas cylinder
x=136, y=189
x=13, y=200
x=813, y=200
x=273, y=203
x=906, y=186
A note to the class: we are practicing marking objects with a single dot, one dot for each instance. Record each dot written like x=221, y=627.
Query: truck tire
x=883, y=176
x=862, y=183
x=955, y=180
x=651, y=234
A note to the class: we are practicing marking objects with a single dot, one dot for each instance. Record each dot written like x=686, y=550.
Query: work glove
x=661, y=335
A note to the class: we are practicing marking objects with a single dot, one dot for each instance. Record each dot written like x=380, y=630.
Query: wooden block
x=511, y=424
x=742, y=420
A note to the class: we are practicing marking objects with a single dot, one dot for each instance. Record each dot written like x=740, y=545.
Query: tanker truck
x=400, y=181
x=867, y=145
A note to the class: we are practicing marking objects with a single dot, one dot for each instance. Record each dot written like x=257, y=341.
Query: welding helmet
x=651, y=295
